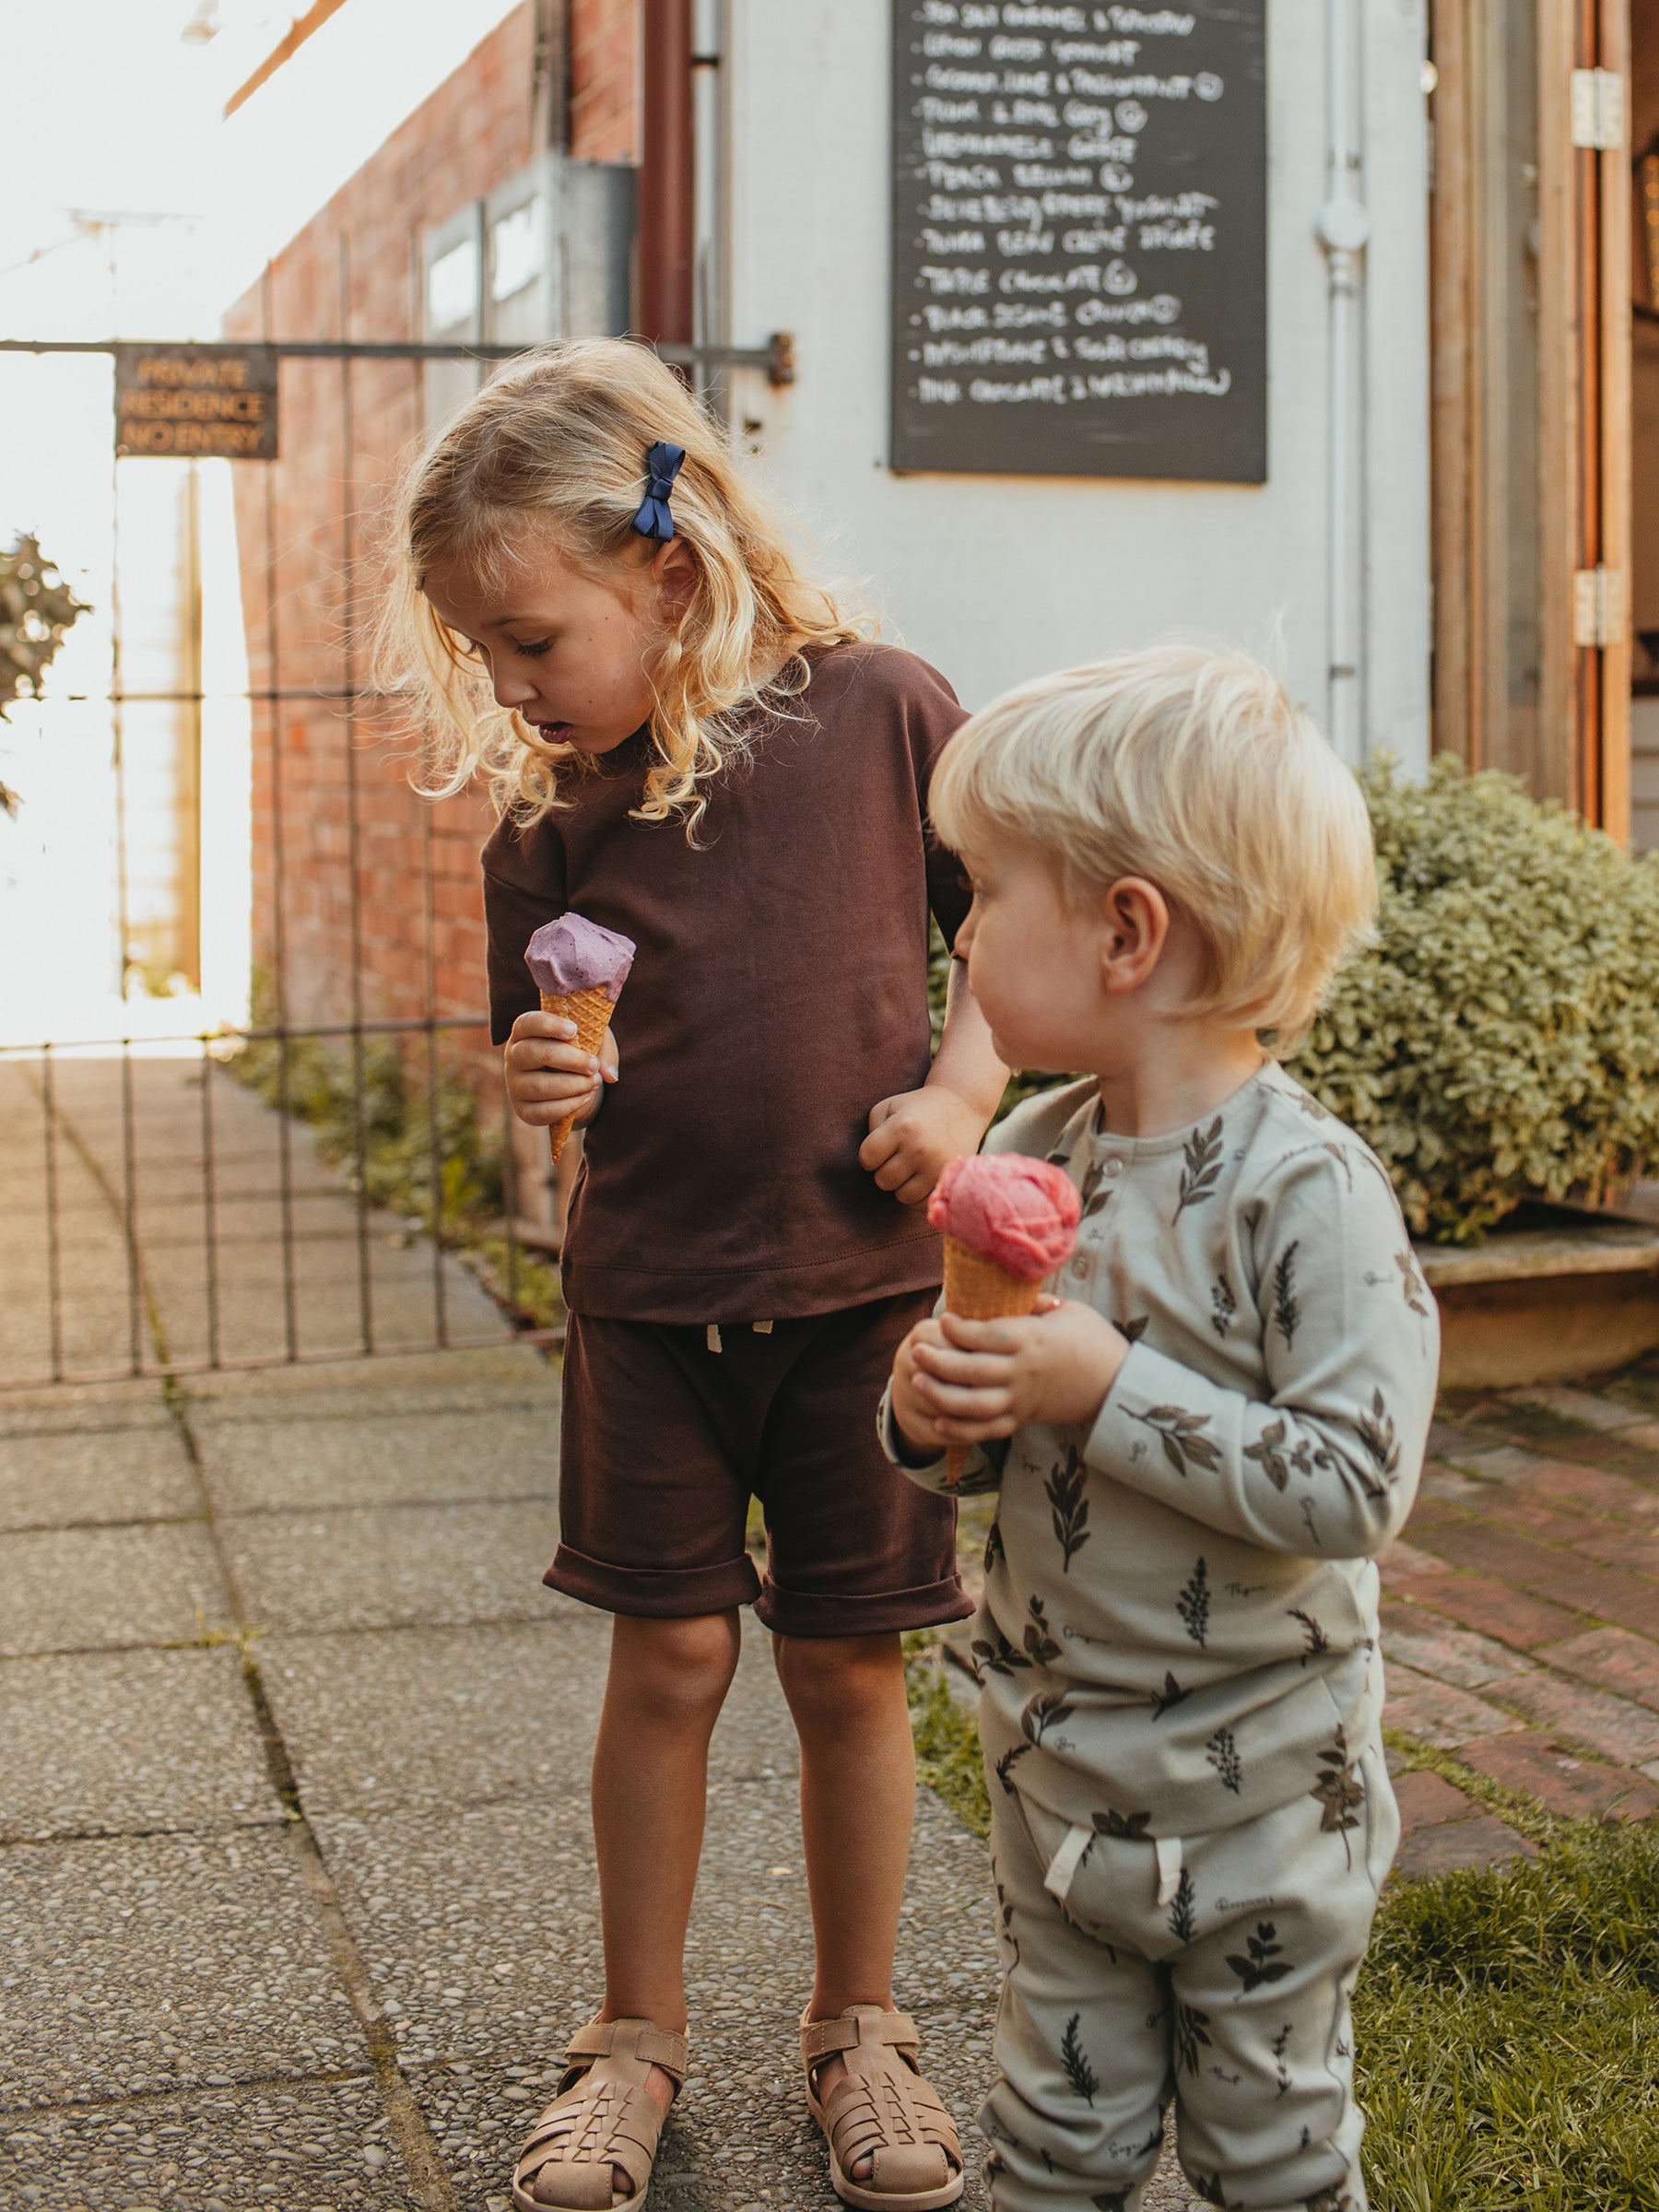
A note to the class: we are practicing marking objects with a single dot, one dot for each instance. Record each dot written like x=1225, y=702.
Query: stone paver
x=1422, y=1641
x=1449, y=1846
x=323, y=2143
x=1441, y=1828
x=110, y=1475
x=258, y=1462
x=1612, y=1658
x=1611, y=1725
x=434, y=1718
x=89, y=1589
x=113, y=1742
x=1439, y=1714
x=373, y=1568
x=1583, y=1788
x=142, y=1962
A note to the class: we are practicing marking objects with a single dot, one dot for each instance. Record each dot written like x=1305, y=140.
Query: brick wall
x=605, y=71
x=309, y=533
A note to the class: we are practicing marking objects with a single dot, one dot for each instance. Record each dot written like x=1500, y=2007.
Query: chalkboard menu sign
x=1080, y=256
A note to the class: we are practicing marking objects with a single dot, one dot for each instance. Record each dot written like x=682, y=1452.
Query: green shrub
x=946, y=1733
x=1499, y=1040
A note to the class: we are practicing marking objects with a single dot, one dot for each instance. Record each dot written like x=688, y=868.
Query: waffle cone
x=978, y=1289
x=591, y=1011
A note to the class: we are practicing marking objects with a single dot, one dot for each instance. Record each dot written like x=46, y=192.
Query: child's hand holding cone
x=580, y=969
x=1009, y=1222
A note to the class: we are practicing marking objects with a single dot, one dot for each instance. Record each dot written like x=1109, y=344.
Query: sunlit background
x=145, y=189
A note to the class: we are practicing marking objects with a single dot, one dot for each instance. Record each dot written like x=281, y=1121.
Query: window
x=452, y=289
x=516, y=255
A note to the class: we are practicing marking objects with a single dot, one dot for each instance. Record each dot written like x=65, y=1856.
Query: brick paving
x=1520, y=1615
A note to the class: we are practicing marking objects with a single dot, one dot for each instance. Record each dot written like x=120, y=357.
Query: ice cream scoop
x=1020, y=1213
x=580, y=969
x=574, y=954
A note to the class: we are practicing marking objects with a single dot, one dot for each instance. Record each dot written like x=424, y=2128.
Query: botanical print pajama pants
x=1215, y=1970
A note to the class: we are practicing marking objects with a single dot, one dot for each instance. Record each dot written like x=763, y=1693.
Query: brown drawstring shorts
x=665, y=1439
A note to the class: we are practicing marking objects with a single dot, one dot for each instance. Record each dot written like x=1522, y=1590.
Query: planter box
x=1547, y=1304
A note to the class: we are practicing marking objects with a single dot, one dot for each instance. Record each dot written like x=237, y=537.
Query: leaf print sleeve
x=982, y=1470
x=1325, y=1463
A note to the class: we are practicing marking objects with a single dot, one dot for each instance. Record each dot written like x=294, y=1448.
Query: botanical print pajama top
x=1179, y=1628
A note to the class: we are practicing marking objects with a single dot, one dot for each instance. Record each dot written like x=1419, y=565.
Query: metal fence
x=165, y=1218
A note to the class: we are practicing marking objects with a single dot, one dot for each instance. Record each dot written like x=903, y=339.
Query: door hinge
x=1598, y=109
x=1598, y=606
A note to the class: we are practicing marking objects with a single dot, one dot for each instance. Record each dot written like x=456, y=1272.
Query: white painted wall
x=997, y=578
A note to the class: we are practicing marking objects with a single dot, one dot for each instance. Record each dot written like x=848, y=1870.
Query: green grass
x=1508, y=2026
x=1507, y=2020
x=947, y=1749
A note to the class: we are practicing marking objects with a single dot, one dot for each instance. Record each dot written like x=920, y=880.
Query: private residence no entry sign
x=196, y=402
x=1081, y=250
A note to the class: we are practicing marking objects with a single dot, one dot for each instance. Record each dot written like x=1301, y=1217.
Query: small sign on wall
x=196, y=402
x=1079, y=248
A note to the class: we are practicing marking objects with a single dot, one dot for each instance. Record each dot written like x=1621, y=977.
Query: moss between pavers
x=947, y=1748
x=1507, y=2019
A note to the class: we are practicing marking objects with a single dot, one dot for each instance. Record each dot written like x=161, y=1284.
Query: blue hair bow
x=662, y=465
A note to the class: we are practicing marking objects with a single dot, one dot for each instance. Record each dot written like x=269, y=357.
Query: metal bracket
x=1598, y=606
x=1598, y=119
x=775, y=359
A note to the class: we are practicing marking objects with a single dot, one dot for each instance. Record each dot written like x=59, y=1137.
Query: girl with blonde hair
x=690, y=743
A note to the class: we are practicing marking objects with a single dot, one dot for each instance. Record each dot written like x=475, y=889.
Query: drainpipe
x=707, y=275
x=667, y=180
x=1344, y=228
x=550, y=80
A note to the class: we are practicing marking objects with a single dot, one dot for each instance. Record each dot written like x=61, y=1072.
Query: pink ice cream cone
x=1008, y=1223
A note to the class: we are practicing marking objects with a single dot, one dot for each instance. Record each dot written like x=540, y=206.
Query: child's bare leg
x=668, y=1682
x=858, y=1797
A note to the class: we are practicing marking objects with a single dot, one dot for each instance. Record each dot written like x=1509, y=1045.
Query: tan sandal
x=882, y=2111
x=603, y=2117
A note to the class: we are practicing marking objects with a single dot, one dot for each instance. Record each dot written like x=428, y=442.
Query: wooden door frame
x=1583, y=749
x=1615, y=454
x=1456, y=416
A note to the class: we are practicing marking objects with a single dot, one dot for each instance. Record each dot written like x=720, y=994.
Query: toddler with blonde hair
x=691, y=746
x=1200, y=1441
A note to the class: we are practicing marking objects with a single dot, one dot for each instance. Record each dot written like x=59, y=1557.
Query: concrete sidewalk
x=296, y=1897
x=296, y=1882
x=297, y=1901
x=244, y=1245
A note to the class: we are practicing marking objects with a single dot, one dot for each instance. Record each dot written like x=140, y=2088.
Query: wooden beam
x=1616, y=457
x=301, y=29
x=1454, y=391
x=1561, y=315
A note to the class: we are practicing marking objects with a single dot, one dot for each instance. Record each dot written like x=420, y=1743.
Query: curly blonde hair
x=555, y=445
